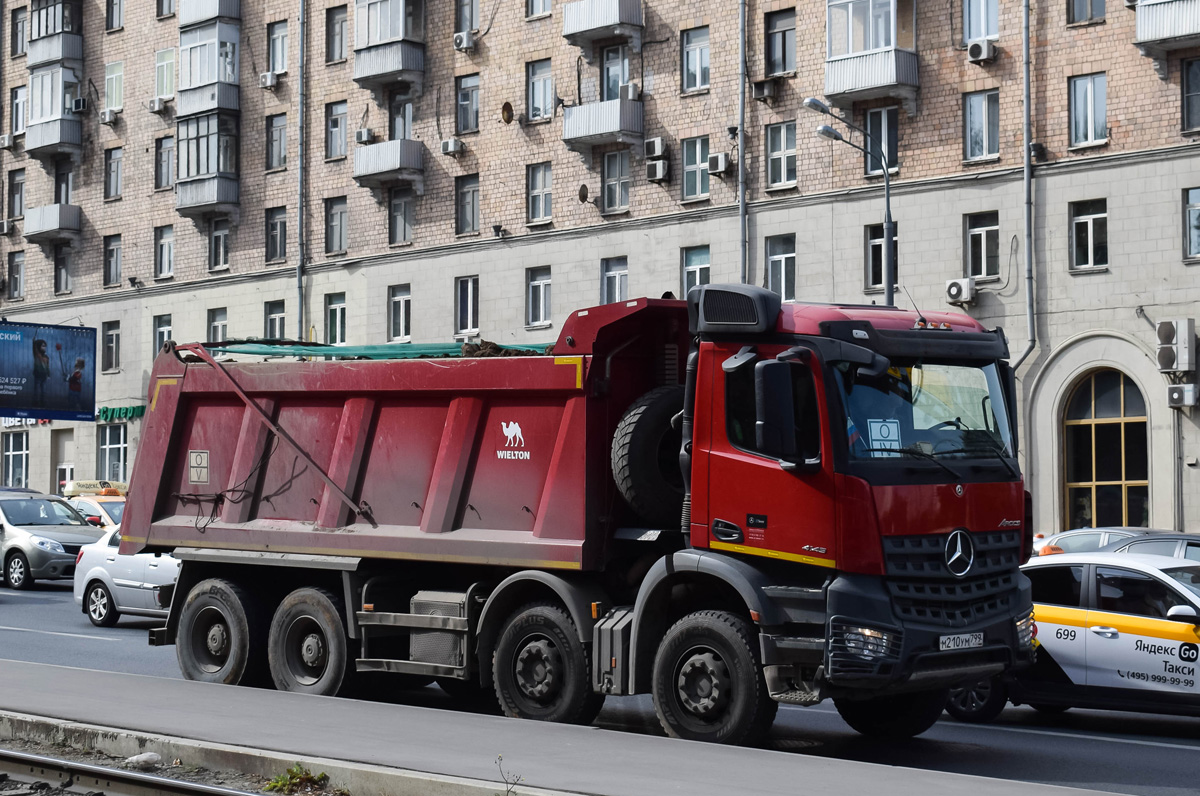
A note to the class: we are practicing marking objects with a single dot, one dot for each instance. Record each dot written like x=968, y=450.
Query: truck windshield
x=925, y=409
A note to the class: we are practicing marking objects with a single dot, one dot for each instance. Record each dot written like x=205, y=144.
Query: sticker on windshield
x=884, y=434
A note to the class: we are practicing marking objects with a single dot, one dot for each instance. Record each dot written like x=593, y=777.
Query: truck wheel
x=542, y=670
x=221, y=637
x=100, y=606
x=707, y=682
x=978, y=703
x=306, y=647
x=897, y=717
x=645, y=457
x=16, y=572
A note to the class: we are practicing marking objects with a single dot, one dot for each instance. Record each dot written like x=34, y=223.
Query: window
x=695, y=267
x=466, y=305
x=1191, y=223
x=112, y=260
x=114, y=17
x=615, y=72
x=983, y=244
x=695, y=167
x=400, y=216
x=337, y=222
x=399, y=313
x=164, y=73
x=274, y=320
x=16, y=275
x=164, y=162
x=466, y=191
x=16, y=193
x=1191, y=94
x=540, y=199
x=740, y=412
x=277, y=141
x=19, y=33
x=162, y=330
x=114, y=451
x=379, y=21
x=16, y=459
x=1057, y=585
x=218, y=244
x=166, y=8
x=540, y=89
x=112, y=172
x=64, y=182
x=218, y=325
x=48, y=17
x=1153, y=548
x=875, y=256
x=1089, y=122
x=1123, y=591
x=694, y=67
x=1085, y=10
x=337, y=34
x=537, y=296
x=400, y=109
x=467, y=17
x=468, y=104
x=781, y=42
x=335, y=130
x=535, y=8
x=781, y=155
x=860, y=26
x=781, y=266
x=50, y=94
x=19, y=100
x=981, y=19
x=62, y=269
x=277, y=46
x=207, y=146
x=114, y=86
x=981, y=117
x=208, y=54
x=1106, y=453
x=614, y=275
x=335, y=318
x=164, y=252
x=616, y=180
x=882, y=124
x=1089, y=234
x=276, y=233
x=110, y=357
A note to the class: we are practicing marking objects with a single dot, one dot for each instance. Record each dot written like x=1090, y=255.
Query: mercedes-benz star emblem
x=960, y=553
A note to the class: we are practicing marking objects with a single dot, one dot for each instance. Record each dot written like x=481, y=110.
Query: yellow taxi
x=101, y=502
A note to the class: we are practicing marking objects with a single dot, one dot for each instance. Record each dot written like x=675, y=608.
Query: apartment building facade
x=389, y=171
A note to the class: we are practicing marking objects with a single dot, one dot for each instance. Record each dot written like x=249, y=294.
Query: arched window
x=1107, y=470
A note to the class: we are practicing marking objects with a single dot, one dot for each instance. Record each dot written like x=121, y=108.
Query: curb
x=360, y=779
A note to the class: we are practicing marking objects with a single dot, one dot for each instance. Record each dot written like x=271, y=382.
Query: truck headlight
x=1026, y=630
x=867, y=642
x=47, y=544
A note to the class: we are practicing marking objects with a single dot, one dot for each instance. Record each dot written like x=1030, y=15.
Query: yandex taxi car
x=1115, y=631
x=103, y=500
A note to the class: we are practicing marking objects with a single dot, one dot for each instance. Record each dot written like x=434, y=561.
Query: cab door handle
x=111, y=558
x=1106, y=632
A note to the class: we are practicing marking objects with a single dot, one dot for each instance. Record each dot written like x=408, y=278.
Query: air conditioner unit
x=6, y=227
x=364, y=135
x=6, y=141
x=158, y=105
x=981, y=51
x=718, y=163
x=452, y=146
x=1181, y=395
x=763, y=90
x=631, y=91
x=657, y=170
x=108, y=116
x=960, y=291
x=464, y=41
x=79, y=105
x=656, y=149
x=268, y=80
x=1176, y=345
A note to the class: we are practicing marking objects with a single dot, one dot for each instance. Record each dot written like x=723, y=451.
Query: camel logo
x=513, y=438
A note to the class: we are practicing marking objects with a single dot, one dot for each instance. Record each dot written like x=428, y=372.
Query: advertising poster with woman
x=47, y=372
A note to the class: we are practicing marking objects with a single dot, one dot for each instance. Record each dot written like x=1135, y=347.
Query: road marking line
x=1053, y=733
x=55, y=633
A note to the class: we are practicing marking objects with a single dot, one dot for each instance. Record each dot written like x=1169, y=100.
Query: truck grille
x=924, y=591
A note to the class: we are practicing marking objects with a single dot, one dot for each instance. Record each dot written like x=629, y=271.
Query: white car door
x=127, y=574
x=160, y=570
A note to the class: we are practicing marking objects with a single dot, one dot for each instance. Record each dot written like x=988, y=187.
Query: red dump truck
x=728, y=503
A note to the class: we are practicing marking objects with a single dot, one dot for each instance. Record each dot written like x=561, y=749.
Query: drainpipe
x=1028, y=142
x=300, y=180
x=741, y=135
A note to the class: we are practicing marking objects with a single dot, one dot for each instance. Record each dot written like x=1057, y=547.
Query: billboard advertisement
x=47, y=371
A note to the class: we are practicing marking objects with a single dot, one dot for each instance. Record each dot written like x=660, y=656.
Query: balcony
x=207, y=99
x=54, y=137
x=1166, y=25
x=394, y=64
x=616, y=121
x=890, y=72
x=58, y=48
x=214, y=194
x=391, y=163
x=53, y=223
x=193, y=12
x=586, y=21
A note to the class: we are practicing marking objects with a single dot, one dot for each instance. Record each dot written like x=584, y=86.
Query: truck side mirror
x=774, y=414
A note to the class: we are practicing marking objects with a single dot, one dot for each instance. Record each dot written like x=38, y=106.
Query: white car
x=108, y=584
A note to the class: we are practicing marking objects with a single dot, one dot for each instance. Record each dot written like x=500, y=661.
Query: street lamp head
x=814, y=104
x=825, y=131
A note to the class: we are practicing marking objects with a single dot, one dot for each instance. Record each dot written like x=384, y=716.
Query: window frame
x=164, y=74
x=876, y=243
x=889, y=120
x=275, y=219
x=986, y=102
x=471, y=304
x=783, y=158
x=1091, y=18
x=164, y=162
x=19, y=109
x=611, y=67
x=695, y=164
x=1090, y=220
x=111, y=267
x=538, y=309
x=618, y=185
x=989, y=18
x=698, y=52
x=701, y=270
x=614, y=279
x=337, y=225
x=539, y=90
x=162, y=329
x=1190, y=88
x=1094, y=109
x=219, y=230
x=467, y=216
x=15, y=454
x=539, y=186
x=782, y=262
x=779, y=47
x=15, y=289
x=977, y=226
x=275, y=319
x=164, y=251
x=62, y=269
x=401, y=214
x=218, y=325
x=114, y=177
x=537, y=8
x=276, y=125
x=335, y=318
x=16, y=193
x=466, y=92
x=277, y=46
x=110, y=346
x=114, y=86
x=114, y=15
x=399, y=313
x=336, y=114
x=207, y=146
x=18, y=31
x=1191, y=210
x=106, y=447
x=337, y=34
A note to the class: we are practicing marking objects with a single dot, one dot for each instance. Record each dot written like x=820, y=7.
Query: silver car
x=108, y=584
x=40, y=537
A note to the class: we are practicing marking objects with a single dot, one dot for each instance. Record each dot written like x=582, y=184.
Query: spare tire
x=645, y=457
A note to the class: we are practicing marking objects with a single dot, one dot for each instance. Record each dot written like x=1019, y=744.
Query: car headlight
x=867, y=642
x=47, y=544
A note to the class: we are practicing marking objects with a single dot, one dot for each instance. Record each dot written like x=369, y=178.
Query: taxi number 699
x=1065, y=633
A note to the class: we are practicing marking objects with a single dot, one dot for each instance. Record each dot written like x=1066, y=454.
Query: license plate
x=963, y=641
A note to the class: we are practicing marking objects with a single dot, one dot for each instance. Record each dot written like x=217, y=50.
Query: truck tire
x=645, y=457
x=894, y=717
x=98, y=603
x=708, y=683
x=222, y=637
x=307, y=648
x=978, y=703
x=16, y=572
x=542, y=670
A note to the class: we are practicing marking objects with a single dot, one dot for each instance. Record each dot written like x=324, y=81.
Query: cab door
x=1060, y=611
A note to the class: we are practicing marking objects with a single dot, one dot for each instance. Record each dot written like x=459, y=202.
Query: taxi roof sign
x=77, y=488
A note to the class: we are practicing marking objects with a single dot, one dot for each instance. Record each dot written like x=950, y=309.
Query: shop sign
x=112, y=414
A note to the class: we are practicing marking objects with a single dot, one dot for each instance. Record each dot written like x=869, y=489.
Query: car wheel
x=100, y=606
x=16, y=572
x=978, y=703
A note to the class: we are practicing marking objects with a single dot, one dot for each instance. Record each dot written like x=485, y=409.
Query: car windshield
x=116, y=510
x=926, y=409
x=40, y=511
x=1188, y=577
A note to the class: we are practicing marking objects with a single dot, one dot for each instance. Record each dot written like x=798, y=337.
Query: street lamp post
x=889, y=228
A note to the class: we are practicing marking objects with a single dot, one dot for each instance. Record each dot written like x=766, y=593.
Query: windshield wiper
x=919, y=454
x=994, y=452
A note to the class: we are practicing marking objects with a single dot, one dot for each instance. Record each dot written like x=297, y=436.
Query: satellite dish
x=506, y=113
x=583, y=193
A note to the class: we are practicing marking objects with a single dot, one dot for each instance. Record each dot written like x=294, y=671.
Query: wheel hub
x=703, y=684
x=99, y=604
x=217, y=639
x=16, y=571
x=312, y=651
x=537, y=670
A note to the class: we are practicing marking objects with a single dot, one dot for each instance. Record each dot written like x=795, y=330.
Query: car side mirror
x=95, y=521
x=1182, y=613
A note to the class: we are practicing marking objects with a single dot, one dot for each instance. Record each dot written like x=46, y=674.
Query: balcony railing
x=53, y=223
x=193, y=12
x=208, y=98
x=391, y=163
x=1166, y=25
x=616, y=121
x=54, y=137
x=871, y=75
x=394, y=64
x=210, y=195
x=53, y=49
x=586, y=21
